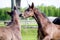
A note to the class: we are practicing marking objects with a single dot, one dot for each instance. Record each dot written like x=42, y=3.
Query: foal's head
x=13, y=13
x=29, y=11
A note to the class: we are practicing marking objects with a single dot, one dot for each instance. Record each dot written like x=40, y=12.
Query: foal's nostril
x=20, y=15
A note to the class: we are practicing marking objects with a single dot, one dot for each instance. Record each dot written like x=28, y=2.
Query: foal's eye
x=26, y=10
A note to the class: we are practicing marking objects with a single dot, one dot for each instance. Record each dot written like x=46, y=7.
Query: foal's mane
x=44, y=15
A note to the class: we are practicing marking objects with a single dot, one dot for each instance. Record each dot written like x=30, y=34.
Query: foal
x=12, y=31
x=25, y=15
x=49, y=30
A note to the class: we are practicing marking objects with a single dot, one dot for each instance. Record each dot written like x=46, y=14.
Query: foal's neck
x=41, y=34
x=42, y=21
x=41, y=18
x=15, y=19
x=15, y=22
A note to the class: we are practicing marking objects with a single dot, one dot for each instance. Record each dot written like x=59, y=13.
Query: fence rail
x=29, y=23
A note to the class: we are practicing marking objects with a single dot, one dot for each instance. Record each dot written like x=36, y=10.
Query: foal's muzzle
x=20, y=15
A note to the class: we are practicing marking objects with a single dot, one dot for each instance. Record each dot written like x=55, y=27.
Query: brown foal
x=49, y=30
x=13, y=30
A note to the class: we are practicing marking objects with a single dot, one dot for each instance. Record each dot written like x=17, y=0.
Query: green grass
x=27, y=33
x=2, y=24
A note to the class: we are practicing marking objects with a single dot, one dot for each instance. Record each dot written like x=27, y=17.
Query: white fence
x=31, y=23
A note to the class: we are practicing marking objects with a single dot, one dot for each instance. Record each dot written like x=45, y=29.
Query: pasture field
x=27, y=33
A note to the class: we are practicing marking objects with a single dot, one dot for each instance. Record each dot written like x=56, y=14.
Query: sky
x=7, y=3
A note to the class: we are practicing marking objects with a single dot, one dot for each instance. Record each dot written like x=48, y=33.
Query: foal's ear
x=32, y=6
x=29, y=6
x=15, y=8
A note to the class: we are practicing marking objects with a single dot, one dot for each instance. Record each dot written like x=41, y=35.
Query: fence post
x=12, y=4
x=18, y=4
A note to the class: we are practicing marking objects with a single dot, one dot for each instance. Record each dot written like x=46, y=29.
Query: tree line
x=48, y=10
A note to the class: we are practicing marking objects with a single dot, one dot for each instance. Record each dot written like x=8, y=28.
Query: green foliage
x=48, y=10
x=3, y=14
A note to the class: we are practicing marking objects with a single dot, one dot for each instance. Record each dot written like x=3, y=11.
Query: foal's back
x=5, y=33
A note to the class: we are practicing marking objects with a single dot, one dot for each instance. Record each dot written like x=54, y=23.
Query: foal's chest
x=53, y=32
x=50, y=30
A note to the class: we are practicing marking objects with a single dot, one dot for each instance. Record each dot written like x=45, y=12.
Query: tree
x=46, y=11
